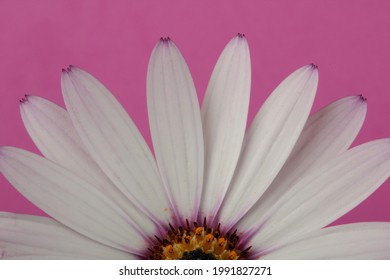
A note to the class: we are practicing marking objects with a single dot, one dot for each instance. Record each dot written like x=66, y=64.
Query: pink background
x=349, y=40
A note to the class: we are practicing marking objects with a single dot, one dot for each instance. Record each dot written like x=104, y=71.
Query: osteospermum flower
x=213, y=191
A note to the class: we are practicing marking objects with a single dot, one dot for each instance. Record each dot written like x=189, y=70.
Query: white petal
x=176, y=127
x=52, y=131
x=326, y=193
x=350, y=242
x=72, y=201
x=269, y=141
x=224, y=115
x=326, y=134
x=24, y=236
x=114, y=142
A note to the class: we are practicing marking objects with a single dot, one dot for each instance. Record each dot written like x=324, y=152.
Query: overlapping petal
x=269, y=141
x=114, y=142
x=33, y=237
x=224, y=114
x=349, y=242
x=327, y=133
x=325, y=194
x=73, y=201
x=52, y=131
x=176, y=128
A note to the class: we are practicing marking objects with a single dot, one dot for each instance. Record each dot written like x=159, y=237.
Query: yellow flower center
x=199, y=242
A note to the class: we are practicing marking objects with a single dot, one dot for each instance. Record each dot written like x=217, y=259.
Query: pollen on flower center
x=198, y=242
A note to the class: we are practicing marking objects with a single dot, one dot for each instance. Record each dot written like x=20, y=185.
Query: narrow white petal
x=72, y=201
x=176, y=127
x=269, y=141
x=114, y=142
x=24, y=236
x=326, y=134
x=349, y=242
x=224, y=115
x=52, y=131
x=326, y=193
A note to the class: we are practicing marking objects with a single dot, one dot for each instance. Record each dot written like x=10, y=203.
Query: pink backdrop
x=349, y=40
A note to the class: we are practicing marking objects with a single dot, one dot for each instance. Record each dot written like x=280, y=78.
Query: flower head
x=212, y=189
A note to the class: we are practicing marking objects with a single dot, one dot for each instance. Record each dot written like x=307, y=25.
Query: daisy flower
x=211, y=189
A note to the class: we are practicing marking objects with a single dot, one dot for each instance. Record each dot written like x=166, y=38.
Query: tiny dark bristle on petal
x=362, y=98
x=165, y=39
x=24, y=99
x=172, y=228
x=67, y=69
x=159, y=240
x=241, y=35
x=314, y=66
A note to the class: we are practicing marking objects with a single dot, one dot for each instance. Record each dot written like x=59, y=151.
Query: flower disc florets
x=198, y=242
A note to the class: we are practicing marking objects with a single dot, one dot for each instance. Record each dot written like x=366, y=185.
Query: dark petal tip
x=362, y=98
x=67, y=69
x=24, y=99
x=165, y=39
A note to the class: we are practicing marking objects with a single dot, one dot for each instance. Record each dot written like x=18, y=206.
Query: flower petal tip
x=164, y=42
x=314, y=66
x=240, y=37
x=362, y=98
x=24, y=100
x=165, y=39
x=67, y=69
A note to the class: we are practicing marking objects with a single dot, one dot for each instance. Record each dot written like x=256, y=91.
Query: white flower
x=279, y=183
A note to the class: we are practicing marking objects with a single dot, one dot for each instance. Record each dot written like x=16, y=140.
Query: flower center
x=198, y=242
